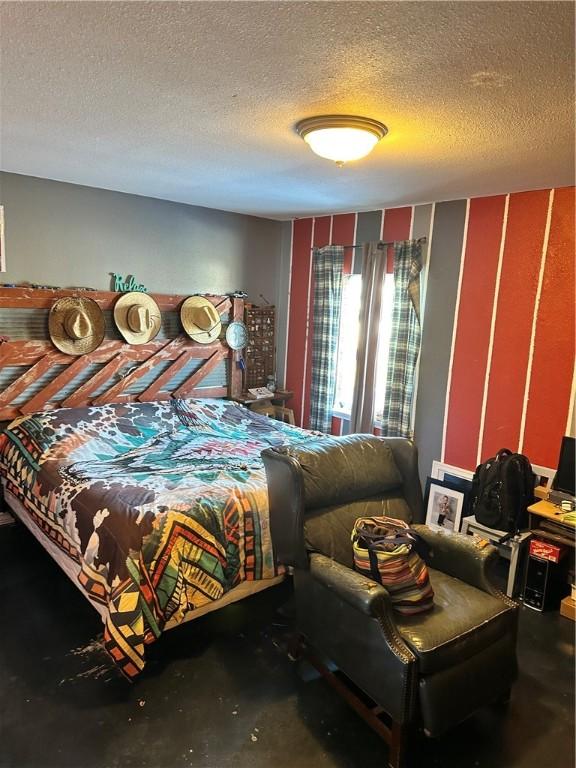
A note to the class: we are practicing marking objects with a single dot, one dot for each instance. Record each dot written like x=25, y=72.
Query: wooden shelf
x=260, y=353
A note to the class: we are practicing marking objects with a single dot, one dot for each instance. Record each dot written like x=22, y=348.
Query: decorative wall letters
x=126, y=285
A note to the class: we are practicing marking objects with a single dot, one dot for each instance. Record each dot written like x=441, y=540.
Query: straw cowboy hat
x=76, y=325
x=137, y=317
x=200, y=319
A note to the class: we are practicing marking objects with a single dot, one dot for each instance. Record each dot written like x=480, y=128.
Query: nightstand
x=274, y=406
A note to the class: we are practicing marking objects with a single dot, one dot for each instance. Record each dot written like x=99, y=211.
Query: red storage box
x=544, y=550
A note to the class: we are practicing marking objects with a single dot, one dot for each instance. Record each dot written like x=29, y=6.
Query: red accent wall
x=521, y=392
x=298, y=313
x=553, y=360
x=482, y=248
x=395, y=226
x=513, y=353
x=515, y=309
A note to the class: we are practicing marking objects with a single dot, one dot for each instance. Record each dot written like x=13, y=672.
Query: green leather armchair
x=433, y=669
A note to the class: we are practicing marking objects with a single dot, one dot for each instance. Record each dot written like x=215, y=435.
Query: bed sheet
x=163, y=506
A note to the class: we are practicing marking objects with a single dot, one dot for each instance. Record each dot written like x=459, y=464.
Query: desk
x=547, y=521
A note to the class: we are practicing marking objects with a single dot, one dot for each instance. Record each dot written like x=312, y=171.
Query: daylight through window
x=348, y=344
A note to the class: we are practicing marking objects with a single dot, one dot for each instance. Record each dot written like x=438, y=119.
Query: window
x=348, y=344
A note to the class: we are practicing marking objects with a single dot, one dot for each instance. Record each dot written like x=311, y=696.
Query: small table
x=513, y=547
x=274, y=406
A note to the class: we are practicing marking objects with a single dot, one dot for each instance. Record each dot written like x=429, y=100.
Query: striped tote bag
x=390, y=552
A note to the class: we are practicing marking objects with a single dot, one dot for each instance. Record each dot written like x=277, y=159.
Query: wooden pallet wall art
x=35, y=376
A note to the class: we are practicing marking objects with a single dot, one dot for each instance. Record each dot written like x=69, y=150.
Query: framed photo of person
x=460, y=479
x=444, y=503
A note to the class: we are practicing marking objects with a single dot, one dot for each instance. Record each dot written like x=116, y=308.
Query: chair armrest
x=458, y=556
x=363, y=594
x=286, y=503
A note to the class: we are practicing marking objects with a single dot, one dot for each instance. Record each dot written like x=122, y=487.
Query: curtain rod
x=381, y=244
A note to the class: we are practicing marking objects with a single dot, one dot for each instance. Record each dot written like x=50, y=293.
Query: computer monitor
x=565, y=477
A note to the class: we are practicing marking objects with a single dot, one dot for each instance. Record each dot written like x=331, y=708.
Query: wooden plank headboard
x=35, y=376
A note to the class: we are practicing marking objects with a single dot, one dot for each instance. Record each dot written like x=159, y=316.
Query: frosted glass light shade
x=341, y=137
x=341, y=144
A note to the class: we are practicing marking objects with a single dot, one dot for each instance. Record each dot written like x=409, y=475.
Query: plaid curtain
x=327, y=266
x=404, y=340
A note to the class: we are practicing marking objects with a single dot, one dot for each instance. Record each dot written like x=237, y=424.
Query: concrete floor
x=220, y=692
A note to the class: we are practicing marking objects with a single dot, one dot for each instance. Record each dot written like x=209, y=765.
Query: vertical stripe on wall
x=553, y=357
x=368, y=229
x=455, y=324
x=283, y=302
x=535, y=316
x=527, y=212
x=298, y=308
x=472, y=336
x=395, y=226
x=322, y=227
x=422, y=226
x=442, y=284
x=343, y=233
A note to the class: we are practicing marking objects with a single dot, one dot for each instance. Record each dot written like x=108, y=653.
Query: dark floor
x=221, y=691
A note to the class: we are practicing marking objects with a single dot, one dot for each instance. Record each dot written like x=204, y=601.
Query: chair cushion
x=342, y=469
x=328, y=530
x=463, y=622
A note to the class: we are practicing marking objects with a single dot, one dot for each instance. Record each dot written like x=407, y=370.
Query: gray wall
x=283, y=300
x=443, y=269
x=68, y=235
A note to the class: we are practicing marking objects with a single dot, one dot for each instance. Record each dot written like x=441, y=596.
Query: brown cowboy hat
x=137, y=317
x=76, y=325
x=200, y=319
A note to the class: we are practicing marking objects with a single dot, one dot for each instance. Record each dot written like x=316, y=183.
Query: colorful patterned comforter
x=162, y=506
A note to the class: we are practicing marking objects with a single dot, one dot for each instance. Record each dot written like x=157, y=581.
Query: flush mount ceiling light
x=341, y=137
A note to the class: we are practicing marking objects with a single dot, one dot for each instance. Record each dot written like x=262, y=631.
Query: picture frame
x=440, y=469
x=460, y=478
x=444, y=503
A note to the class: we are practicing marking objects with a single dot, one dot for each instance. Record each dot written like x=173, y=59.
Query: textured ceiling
x=196, y=102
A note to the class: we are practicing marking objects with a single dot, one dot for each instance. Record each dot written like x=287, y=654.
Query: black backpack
x=502, y=489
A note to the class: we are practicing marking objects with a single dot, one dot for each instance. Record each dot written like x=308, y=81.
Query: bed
x=133, y=467
x=155, y=510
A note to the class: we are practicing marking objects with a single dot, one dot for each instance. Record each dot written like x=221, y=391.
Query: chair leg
x=398, y=742
x=395, y=735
